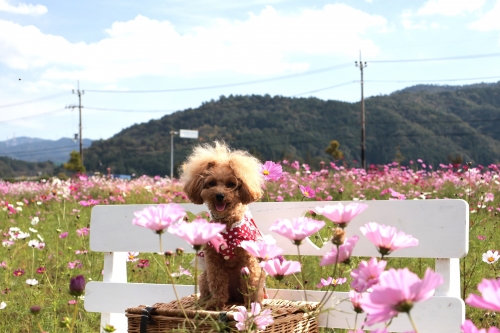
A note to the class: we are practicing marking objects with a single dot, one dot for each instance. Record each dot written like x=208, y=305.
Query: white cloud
x=264, y=44
x=450, y=7
x=22, y=8
x=490, y=20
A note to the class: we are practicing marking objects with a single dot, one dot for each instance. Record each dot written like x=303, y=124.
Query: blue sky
x=115, y=49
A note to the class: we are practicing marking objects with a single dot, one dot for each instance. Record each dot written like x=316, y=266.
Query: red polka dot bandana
x=244, y=230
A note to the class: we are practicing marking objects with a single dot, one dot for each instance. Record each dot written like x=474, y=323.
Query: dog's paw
x=214, y=305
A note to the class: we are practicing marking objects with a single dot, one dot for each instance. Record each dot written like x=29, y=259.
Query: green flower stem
x=412, y=323
x=74, y=316
x=173, y=286
x=196, y=274
x=325, y=298
x=302, y=273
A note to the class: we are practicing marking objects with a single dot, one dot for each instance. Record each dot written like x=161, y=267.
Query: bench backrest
x=441, y=226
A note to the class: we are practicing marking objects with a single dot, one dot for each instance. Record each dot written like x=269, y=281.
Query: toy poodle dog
x=226, y=181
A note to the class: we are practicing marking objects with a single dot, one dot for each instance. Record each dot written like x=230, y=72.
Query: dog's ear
x=246, y=195
x=193, y=189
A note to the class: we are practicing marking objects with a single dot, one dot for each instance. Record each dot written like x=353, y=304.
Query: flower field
x=45, y=233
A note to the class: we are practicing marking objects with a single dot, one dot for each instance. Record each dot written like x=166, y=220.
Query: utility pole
x=80, y=93
x=362, y=65
x=172, y=133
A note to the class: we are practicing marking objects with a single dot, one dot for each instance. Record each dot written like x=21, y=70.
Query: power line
x=32, y=116
x=321, y=70
x=122, y=110
x=326, y=88
x=34, y=100
x=23, y=152
x=474, y=56
x=438, y=80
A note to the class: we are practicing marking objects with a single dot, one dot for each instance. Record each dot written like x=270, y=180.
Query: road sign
x=188, y=134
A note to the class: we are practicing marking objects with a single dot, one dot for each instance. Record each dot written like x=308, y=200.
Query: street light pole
x=172, y=133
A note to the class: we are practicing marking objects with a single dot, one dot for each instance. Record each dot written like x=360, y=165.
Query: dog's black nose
x=219, y=197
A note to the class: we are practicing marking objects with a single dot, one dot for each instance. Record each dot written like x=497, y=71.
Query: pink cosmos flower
x=74, y=264
x=256, y=319
x=72, y=302
x=182, y=271
x=271, y=170
x=82, y=232
x=297, y=229
x=90, y=202
x=18, y=272
x=489, y=197
x=198, y=232
x=469, y=327
x=63, y=235
x=278, y=269
x=262, y=250
x=307, y=191
x=143, y=263
x=159, y=217
x=491, y=295
x=396, y=292
x=330, y=281
x=344, y=252
x=217, y=241
x=367, y=274
x=355, y=298
x=387, y=238
x=341, y=214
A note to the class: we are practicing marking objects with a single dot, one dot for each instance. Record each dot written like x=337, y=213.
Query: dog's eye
x=231, y=185
x=212, y=183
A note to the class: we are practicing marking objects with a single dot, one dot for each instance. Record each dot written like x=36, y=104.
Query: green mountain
x=434, y=123
x=12, y=168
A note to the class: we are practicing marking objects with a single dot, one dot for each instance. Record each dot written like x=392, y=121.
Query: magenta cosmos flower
x=256, y=319
x=341, y=214
x=396, y=292
x=297, y=229
x=262, y=250
x=307, y=191
x=491, y=295
x=158, y=218
x=469, y=327
x=197, y=233
x=271, y=170
x=367, y=274
x=387, y=238
x=278, y=269
x=344, y=252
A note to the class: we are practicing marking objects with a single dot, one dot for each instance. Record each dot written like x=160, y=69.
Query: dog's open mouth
x=220, y=207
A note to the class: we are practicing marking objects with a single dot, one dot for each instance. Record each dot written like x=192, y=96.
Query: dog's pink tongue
x=220, y=207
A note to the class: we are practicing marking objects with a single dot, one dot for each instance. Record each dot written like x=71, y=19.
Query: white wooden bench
x=441, y=226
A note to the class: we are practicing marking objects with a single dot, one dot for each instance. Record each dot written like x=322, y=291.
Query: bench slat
x=438, y=314
x=440, y=225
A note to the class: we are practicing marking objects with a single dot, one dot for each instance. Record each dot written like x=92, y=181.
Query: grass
x=59, y=209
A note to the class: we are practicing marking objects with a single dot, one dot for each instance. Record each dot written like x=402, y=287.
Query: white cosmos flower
x=35, y=220
x=490, y=257
x=3, y=305
x=32, y=282
x=33, y=243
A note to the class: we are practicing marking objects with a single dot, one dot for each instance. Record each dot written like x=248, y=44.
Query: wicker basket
x=289, y=317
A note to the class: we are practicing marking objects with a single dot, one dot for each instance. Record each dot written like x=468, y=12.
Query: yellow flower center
x=266, y=172
x=491, y=259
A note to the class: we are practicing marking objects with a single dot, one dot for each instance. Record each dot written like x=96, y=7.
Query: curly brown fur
x=226, y=181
